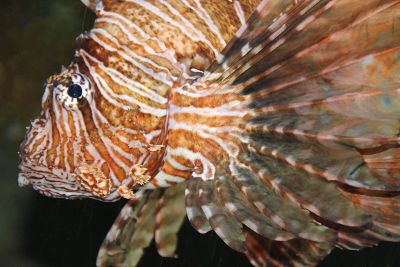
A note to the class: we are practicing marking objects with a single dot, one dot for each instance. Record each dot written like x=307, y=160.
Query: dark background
x=36, y=38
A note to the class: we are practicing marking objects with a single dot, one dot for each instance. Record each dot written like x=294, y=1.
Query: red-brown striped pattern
x=289, y=138
x=127, y=65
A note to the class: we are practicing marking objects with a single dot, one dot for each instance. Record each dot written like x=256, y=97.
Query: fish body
x=127, y=67
x=273, y=123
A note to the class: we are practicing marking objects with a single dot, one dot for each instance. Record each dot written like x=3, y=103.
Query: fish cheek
x=95, y=179
x=54, y=136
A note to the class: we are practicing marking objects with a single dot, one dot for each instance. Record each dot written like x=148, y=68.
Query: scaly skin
x=132, y=62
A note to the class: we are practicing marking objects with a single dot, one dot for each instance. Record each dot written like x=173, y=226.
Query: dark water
x=36, y=38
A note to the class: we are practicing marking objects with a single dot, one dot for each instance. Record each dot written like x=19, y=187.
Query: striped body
x=274, y=123
x=134, y=56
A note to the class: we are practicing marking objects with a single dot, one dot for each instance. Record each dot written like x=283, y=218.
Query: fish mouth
x=47, y=182
x=23, y=181
x=35, y=175
x=23, y=176
x=56, y=183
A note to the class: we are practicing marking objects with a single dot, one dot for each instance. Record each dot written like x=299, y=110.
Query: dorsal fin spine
x=94, y=5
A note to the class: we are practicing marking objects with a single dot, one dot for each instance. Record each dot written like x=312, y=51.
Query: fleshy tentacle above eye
x=94, y=5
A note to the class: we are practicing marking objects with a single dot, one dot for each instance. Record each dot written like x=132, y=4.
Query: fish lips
x=49, y=183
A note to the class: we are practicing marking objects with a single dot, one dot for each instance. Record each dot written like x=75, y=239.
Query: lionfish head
x=60, y=156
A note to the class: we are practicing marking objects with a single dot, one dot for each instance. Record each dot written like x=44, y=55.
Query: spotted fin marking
x=135, y=227
x=170, y=216
x=131, y=233
x=320, y=126
x=194, y=202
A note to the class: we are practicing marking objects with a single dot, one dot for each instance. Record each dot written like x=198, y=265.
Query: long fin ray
x=320, y=128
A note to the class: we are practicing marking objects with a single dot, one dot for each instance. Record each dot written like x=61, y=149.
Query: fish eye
x=75, y=91
x=70, y=94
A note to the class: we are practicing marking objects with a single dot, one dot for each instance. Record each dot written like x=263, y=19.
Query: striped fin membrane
x=292, y=137
x=318, y=154
x=156, y=214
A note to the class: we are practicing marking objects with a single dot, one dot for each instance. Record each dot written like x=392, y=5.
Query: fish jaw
x=48, y=177
x=56, y=183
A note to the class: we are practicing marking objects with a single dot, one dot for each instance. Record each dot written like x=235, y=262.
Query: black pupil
x=75, y=91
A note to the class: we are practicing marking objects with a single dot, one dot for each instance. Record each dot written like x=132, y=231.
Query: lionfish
x=274, y=123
